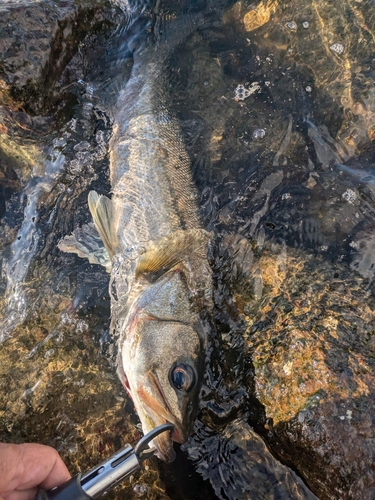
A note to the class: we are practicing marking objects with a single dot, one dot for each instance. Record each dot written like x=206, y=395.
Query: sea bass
x=157, y=255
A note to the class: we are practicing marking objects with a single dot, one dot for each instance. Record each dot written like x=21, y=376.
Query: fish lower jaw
x=164, y=447
x=166, y=458
x=164, y=442
x=176, y=436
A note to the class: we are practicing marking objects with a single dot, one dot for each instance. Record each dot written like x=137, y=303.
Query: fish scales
x=150, y=168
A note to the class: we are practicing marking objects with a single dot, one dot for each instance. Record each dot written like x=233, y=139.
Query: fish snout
x=154, y=411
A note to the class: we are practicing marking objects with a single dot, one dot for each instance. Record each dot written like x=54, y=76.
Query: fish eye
x=182, y=377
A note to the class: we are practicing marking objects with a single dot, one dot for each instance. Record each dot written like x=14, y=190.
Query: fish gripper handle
x=71, y=490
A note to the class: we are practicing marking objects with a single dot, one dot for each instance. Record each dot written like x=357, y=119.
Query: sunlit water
x=24, y=248
x=277, y=109
x=8, y=4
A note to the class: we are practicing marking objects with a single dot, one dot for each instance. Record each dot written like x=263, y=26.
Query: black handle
x=71, y=490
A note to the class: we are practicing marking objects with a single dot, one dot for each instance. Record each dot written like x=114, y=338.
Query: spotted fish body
x=160, y=278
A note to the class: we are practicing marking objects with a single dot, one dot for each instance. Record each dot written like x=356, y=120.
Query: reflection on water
x=24, y=248
x=239, y=465
x=276, y=103
x=8, y=4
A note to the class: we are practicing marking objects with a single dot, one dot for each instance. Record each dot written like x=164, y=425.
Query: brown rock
x=314, y=371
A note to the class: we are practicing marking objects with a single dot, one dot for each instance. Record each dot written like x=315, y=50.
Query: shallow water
x=277, y=109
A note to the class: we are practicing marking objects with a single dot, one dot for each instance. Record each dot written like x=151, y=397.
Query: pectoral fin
x=169, y=251
x=86, y=243
x=101, y=210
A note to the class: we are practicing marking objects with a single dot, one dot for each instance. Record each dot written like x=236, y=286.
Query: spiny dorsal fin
x=101, y=210
x=170, y=250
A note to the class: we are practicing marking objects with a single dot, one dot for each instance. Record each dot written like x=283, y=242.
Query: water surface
x=276, y=105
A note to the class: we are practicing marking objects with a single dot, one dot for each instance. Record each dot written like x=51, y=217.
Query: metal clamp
x=100, y=479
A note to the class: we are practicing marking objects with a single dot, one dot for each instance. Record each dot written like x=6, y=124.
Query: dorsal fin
x=101, y=210
x=170, y=250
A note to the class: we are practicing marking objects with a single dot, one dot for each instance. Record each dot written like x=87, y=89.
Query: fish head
x=162, y=358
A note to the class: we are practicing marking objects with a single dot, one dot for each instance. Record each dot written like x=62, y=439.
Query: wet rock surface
x=312, y=345
x=38, y=40
x=277, y=111
x=57, y=389
x=246, y=467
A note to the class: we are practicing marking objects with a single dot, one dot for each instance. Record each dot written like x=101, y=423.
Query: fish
x=155, y=249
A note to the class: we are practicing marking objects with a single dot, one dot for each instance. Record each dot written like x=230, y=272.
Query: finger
x=21, y=495
x=42, y=466
x=23, y=467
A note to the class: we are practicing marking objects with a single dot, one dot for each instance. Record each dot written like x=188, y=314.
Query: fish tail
x=161, y=35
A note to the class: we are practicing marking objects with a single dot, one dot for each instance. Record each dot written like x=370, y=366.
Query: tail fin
x=161, y=35
x=144, y=33
x=163, y=25
x=152, y=30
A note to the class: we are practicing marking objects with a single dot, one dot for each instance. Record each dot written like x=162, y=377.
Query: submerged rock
x=57, y=389
x=311, y=338
x=39, y=39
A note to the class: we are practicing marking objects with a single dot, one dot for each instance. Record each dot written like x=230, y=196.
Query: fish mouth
x=155, y=412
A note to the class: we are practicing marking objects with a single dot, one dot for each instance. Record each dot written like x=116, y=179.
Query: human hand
x=23, y=467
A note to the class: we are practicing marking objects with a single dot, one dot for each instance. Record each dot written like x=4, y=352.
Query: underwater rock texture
x=312, y=342
x=300, y=197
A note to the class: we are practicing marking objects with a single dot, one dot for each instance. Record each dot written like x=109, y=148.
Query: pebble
x=349, y=196
x=66, y=319
x=140, y=489
x=338, y=48
x=259, y=133
x=82, y=326
x=72, y=448
x=242, y=93
x=292, y=26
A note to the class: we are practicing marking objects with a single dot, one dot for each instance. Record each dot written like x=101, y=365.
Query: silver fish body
x=153, y=193
x=160, y=278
